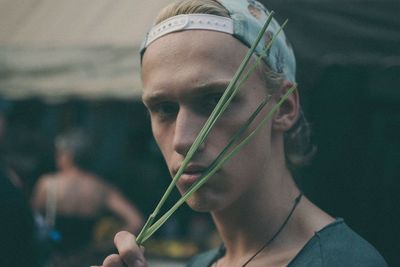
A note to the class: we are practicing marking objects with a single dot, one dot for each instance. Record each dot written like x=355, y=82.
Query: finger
x=130, y=253
x=113, y=260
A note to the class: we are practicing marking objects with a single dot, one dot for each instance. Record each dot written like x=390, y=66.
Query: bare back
x=77, y=193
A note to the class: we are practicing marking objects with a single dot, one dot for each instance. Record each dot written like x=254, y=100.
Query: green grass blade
x=217, y=112
x=217, y=165
x=261, y=56
x=232, y=140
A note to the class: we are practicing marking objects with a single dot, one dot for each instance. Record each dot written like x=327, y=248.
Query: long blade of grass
x=216, y=166
x=232, y=140
x=218, y=110
x=261, y=56
x=230, y=97
x=255, y=65
x=232, y=89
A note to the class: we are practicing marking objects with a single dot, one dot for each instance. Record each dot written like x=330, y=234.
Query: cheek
x=252, y=156
x=163, y=137
x=248, y=164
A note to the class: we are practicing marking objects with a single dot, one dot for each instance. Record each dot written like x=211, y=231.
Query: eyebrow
x=159, y=95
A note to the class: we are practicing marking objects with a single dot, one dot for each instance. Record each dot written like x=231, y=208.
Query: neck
x=69, y=169
x=252, y=220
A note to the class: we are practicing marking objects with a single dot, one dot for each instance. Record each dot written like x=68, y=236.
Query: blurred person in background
x=72, y=200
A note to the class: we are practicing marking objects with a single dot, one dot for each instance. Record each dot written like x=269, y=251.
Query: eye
x=164, y=110
x=211, y=100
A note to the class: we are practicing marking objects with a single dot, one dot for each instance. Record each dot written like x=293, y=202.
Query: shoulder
x=43, y=183
x=45, y=180
x=40, y=190
x=338, y=245
x=205, y=258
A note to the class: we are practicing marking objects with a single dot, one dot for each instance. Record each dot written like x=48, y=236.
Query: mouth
x=190, y=175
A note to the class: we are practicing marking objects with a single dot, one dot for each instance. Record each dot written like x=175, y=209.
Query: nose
x=187, y=127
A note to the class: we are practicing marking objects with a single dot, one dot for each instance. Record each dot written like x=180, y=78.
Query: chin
x=199, y=206
x=205, y=201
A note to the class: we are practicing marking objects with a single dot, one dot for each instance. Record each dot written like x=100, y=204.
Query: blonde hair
x=192, y=7
x=297, y=140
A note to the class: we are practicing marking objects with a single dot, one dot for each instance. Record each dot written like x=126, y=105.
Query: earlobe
x=287, y=115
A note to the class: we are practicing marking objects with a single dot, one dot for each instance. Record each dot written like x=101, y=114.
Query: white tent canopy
x=55, y=49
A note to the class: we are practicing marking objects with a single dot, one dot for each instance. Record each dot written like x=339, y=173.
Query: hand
x=130, y=254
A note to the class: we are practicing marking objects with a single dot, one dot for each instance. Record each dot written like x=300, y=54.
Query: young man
x=260, y=214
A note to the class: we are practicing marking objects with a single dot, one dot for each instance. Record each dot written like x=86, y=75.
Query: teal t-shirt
x=335, y=245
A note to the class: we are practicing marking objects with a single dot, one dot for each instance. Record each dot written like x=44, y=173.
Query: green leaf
x=230, y=92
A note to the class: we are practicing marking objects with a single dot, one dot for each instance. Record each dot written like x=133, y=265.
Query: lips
x=191, y=174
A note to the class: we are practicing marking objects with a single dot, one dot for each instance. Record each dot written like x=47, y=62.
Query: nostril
x=183, y=148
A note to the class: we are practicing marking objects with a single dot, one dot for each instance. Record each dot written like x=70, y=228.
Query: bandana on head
x=246, y=20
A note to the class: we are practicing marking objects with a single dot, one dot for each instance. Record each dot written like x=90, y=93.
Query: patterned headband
x=246, y=20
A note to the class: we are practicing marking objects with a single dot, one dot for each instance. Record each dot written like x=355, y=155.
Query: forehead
x=190, y=59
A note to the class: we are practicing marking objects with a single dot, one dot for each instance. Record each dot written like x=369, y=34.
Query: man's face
x=184, y=74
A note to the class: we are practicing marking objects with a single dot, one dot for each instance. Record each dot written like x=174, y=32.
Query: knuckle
x=126, y=253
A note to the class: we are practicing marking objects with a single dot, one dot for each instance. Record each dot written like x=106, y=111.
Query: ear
x=286, y=116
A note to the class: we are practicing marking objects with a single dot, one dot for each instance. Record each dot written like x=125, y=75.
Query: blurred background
x=74, y=64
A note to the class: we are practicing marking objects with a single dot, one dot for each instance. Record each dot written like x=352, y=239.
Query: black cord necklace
x=269, y=241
